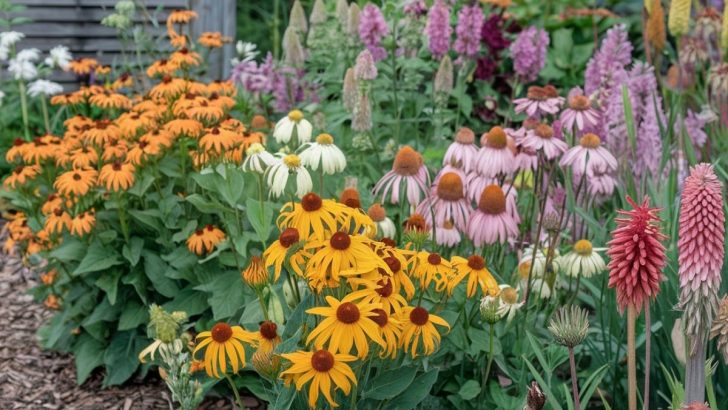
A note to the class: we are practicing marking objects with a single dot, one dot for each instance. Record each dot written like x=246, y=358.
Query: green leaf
x=185, y=232
x=133, y=315
x=70, y=250
x=203, y=205
x=284, y=399
x=191, y=301
x=388, y=384
x=260, y=219
x=97, y=258
x=109, y=282
x=469, y=390
x=89, y=354
x=226, y=294
x=156, y=270
x=133, y=250
x=142, y=185
x=149, y=217
x=103, y=312
x=542, y=383
x=231, y=186
x=121, y=357
x=419, y=389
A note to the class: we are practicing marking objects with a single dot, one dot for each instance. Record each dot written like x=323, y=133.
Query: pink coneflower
x=541, y=138
x=601, y=185
x=476, y=183
x=700, y=249
x=447, y=234
x=539, y=101
x=462, y=153
x=526, y=158
x=408, y=168
x=589, y=156
x=579, y=112
x=447, y=200
x=495, y=156
x=491, y=222
x=637, y=256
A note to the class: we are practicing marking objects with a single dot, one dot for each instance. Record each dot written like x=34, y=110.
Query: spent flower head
x=569, y=326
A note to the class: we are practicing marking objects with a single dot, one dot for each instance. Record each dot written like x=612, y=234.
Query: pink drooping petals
x=462, y=153
x=447, y=202
x=637, y=255
x=409, y=173
x=496, y=156
x=491, y=222
x=589, y=157
x=540, y=101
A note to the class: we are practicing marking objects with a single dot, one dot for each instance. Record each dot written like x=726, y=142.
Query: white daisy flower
x=582, y=260
x=385, y=227
x=247, y=51
x=9, y=38
x=4, y=52
x=59, y=57
x=539, y=263
x=510, y=303
x=323, y=152
x=44, y=87
x=277, y=176
x=257, y=159
x=22, y=69
x=539, y=288
x=29, y=54
x=293, y=122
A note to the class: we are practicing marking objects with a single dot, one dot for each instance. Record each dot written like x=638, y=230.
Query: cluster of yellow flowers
x=370, y=288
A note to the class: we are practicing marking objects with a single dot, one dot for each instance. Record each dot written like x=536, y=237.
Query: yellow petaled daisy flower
x=323, y=153
x=75, y=182
x=340, y=255
x=278, y=173
x=268, y=337
x=509, y=302
x=58, y=221
x=474, y=268
x=82, y=223
x=347, y=323
x=391, y=329
x=256, y=274
x=321, y=368
x=419, y=325
x=582, y=260
x=397, y=265
x=290, y=124
x=277, y=253
x=381, y=292
x=117, y=176
x=313, y=217
x=221, y=343
x=433, y=267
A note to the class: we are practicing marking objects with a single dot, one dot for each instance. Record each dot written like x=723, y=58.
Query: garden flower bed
x=412, y=204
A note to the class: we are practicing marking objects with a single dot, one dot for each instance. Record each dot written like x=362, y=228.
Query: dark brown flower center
x=434, y=259
x=340, y=241
x=393, y=263
x=537, y=93
x=322, y=361
x=385, y=288
x=450, y=187
x=415, y=222
x=389, y=242
x=288, y=237
x=76, y=176
x=377, y=213
x=116, y=166
x=407, y=162
x=476, y=262
x=551, y=91
x=199, y=232
x=221, y=332
x=58, y=211
x=311, y=202
x=380, y=318
x=209, y=228
x=348, y=313
x=492, y=200
x=269, y=330
x=350, y=198
x=419, y=316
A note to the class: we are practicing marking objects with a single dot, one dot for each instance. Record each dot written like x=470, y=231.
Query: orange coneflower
x=222, y=87
x=212, y=39
x=52, y=202
x=168, y=88
x=66, y=99
x=204, y=240
x=83, y=157
x=101, y=70
x=123, y=81
x=161, y=68
x=130, y=123
x=201, y=110
x=15, y=152
x=20, y=175
x=222, y=101
x=88, y=91
x=117, y=176
x=49, y=277
x=217, y=140
x=52, y=302
x=75, y=182
x=57, y=221
x=82, y=223
x=181, y=16
x=114, y=150
x=142, y=150
x=41, y=149
x=185, y=57
x=102, y=132
x=83, y=66
x=108, y=100
x=184, y=127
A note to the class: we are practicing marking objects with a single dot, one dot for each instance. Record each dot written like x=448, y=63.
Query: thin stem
x=631, y=357
x=46, y=120
x=262, y=305
x=574, y=384
x=24, y=109
x=490, y=357
x=235, y=391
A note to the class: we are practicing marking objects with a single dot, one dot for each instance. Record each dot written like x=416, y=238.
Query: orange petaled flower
x=75, y=182
x=102, y=70
x=320, y=368
x=202, y=110
x=213, y=39
x=161, y=68
x=82, y=223
x=66, y=99
x=123, y=81
x=115, y=150
x=58, y=221
x=222, y=101
x=181, y=16
x=20, y=175
x=184, y=127
x=142, y=150
x=131, y=123
x=52, y=302
x=108, y=100
x=83, y=66
x=83, y=157
x=217, y=140
x=102, y=132
x=477, y=273
x=256, y=274
x=49, y=277
x=52, y=202
x=168, y=88
x=391, y=329
x=41, y=149
x=419, y=325
x=117, y=176
x=268, y=337
x=184, y=57
x=16, y=151
x=204, y=240
x=222, y=87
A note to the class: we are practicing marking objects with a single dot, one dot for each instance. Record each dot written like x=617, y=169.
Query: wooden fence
x=76, y=24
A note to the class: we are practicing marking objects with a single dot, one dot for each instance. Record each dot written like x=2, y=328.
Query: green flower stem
x=24, y=109
x=490, y=358
x=46, y=120
x=235, y=391
x=122, y=219
x=262, y=304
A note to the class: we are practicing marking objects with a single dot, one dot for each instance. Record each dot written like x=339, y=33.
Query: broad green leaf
x=72, y=249
x=133, y=250
x=388, y=384
x=203, y=205
x=109, y=282
x=97, y=258
x=418, y=390
x=226, y=294
x=260, y=217
x=156, y=270
x=191, y=301
x=469, y=390
x=121, y=356
x=133, y=315
x=88, y=354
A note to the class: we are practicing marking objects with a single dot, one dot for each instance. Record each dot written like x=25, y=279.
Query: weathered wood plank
x=78, y=14
x=108, y=3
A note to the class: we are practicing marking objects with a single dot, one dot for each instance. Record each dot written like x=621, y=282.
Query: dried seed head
x=569, y=326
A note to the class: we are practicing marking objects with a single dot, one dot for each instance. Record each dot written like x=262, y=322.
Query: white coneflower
x=44, y=87
x=22, y=69
x=541, y=288
x=29, y=54
x=277, y=176
x=582, y=260
x=293, y=122
x=385, y=226
x=59, y=57
x=257, y=159
x=9, y=38
x=509, y=302
x=246, y=51
x=323, y=152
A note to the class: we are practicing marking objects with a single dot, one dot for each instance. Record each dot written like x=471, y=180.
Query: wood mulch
x=32, y=378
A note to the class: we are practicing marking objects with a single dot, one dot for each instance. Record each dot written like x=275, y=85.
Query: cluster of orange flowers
x=370, y=287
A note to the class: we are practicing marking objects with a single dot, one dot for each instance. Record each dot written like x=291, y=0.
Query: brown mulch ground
x=31, y=378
